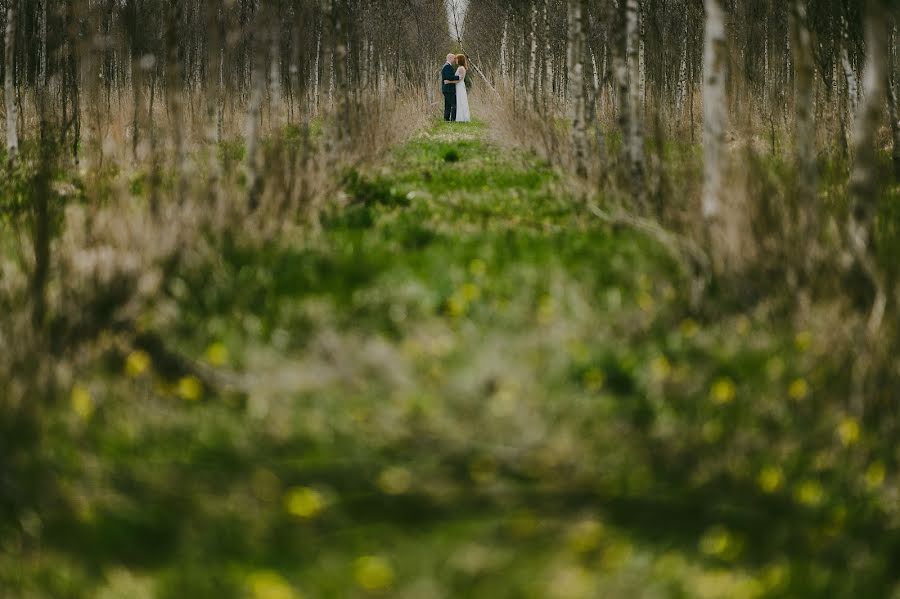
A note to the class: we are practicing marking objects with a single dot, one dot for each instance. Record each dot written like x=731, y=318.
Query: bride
x=462, y=97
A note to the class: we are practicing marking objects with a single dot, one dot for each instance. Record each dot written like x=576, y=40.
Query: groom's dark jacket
x=448, y=74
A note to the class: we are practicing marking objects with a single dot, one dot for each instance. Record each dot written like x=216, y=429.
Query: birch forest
x=272, y=327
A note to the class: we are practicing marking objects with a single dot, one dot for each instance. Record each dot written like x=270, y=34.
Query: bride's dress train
x=462, y=98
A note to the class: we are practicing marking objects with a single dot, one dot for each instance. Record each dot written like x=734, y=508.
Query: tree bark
x=576, y=84
x=864, y=178
x=804, y=118
x=715, y=117
x=533, y=61
x=892, y=100
x=9, y=85
x=635, y=139
x=252, y=125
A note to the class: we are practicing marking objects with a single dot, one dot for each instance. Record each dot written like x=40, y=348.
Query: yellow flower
x=137, y=363
x=373, y=573
x=470, y=292
x=848, y=431
x=189, y=388
x=82, y=402
x=770, y=479
x=546, y=309
x=810, y=493
x=798, y=390
x=689, y=327
x=585, y=536
x=645, y=301
x=875, y=475
x=304, y=502
x=723, y=391
x=719, y=542
x=457, y=305
x=803, y=340
x=661, y=368
x=266, y=584
x=217, y=354
x=395, y=480
x=594, y=379
x=775, y=576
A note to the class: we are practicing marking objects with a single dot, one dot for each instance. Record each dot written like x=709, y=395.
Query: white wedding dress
x=462, y=98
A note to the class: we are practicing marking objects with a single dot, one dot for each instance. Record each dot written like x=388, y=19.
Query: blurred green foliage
x=462, y=386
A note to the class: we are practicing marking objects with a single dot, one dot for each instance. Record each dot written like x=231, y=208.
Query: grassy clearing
x=462, y=385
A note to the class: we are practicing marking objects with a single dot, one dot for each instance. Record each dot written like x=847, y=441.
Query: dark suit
x=448, y=73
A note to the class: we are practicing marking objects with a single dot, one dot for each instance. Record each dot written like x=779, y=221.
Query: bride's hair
x=461, y=60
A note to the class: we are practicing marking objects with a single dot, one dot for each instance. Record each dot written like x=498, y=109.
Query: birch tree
x=714, y=108
x=576, y=85
x=9, y=85
x=804, y=118
x=863, y=179
x=635, y=139
x=892, y=98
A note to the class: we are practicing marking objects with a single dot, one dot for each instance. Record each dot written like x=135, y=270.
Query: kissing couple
x=456, y=99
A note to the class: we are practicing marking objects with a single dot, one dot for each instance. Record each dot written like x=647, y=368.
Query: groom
x=449, y=79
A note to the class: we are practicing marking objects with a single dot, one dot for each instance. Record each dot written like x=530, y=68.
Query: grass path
x=461, y=386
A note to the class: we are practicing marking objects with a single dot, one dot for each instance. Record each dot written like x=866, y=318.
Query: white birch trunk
x=635, y=140
x=804, y=116
x=863, y=180
x=714, y=110
x=576, y=84
x=548, y=54
x=43, y=74
x=9, y=86
x=892, y=102
x=849, y=73
x=315, y=89
x=251, y=128
x=274, y=73
x=504, y=51
x=532, y=63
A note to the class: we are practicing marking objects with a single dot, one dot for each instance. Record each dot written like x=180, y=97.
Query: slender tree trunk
x=804, y=120
x=576, y=85
x=504, y=58
x=635, y=140
x=213, y=100
x=175, y=94
x=864, y=178
x=620, y=71
x=892, y=100
x=43, y=74
x=275, y=93
x=251, y=129
x=533, y=60
x=315, y=90
x=9, y=82
x=714, y=110
x=548, y=54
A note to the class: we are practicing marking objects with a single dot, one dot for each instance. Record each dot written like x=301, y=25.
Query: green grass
x=469, y=378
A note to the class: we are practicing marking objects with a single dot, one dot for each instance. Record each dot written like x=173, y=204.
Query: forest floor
x=462, y=385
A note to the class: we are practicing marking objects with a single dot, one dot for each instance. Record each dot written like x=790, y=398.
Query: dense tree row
x=809, y=76
x=201, y=59
x=784, y=59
